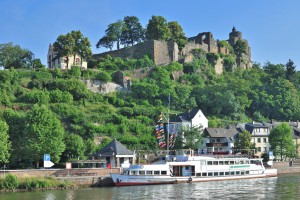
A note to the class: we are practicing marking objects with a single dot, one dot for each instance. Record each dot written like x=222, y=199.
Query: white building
x=194, y=118
x=54, y=61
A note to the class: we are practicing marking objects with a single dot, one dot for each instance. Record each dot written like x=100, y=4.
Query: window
x=247, y=172
x=156, y=172
x=221, y=162
x=216, y=173
x=209, y=162
x=187, y=167
x=210, y=173
x=204, y=174
x=242, y=172
x=163, y=172
x=226, y=162
x=237, y=172
x=218, y=140
x=134, y=172
x=141, y=172
x=232, y=173
x=258, y=140
x=221, y=173
x=265, y=149
x=148, y=172
x=259, y=149
x=265, y=140
x=215, y=163
x=232, y=162
x=226, y=173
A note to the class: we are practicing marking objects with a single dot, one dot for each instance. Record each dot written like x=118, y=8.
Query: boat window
x=156, y=173
x=247, y=172
x=149, y=172
x=215, y=163
x=134, y=172
x=198, y=174
x=187, y=167
x=221, y=162
x=221, y=173
x=216, y=173
x=232, y=162
x=246, y=161
x=204, y=174
x=242, y=172
x=237, y=172
x=232, y=173
x=163, y=172
x=141, y=172
x=237, y=162
x=226, y=162
x=241, y=162
x=226, y=173
x=210, y=173
x=209, y=162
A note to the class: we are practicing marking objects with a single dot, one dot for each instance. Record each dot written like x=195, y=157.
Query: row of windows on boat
x=204, y=174
x=233, y=162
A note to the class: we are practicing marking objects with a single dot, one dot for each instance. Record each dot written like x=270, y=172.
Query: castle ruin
x=166, y=52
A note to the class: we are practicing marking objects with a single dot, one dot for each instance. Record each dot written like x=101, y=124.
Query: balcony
x=217, y=144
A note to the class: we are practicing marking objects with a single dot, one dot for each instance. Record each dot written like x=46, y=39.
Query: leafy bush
x=103, y=76
x=11, y=182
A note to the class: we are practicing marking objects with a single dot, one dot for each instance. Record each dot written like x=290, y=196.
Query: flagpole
x=168, y=129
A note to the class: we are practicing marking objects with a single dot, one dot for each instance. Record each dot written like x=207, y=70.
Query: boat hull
x=130, y=180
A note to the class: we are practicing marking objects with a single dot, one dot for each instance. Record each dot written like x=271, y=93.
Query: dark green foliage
x=132, y=31
x=10, y=182
x=103, y=76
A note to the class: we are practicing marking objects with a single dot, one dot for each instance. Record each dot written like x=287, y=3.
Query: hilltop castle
x=165, y=52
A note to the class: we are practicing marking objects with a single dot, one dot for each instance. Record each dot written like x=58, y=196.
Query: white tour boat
x=187, y=168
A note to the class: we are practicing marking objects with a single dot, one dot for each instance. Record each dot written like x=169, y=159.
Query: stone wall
x=161, y=52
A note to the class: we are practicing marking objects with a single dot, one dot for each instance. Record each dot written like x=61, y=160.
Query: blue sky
x=272, y=28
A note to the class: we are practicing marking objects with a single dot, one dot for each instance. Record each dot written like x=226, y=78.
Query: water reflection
x=283, y=187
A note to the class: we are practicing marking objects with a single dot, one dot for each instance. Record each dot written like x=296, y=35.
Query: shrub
x=103, y=76
x=11, y=182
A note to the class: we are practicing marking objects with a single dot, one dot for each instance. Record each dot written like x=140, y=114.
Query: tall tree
x=75, y=147
x=5, y=144
x=14, y=56
x=290, y=69
x=73, y=43
x=177, y=34
x=82, y=46
x=243, y=142
x=158, y=29
x=15, y=121
x=64, y=46
x=105, y=42
x=133, y=31
x=44, y=133
x=112, y=34
x=281, y=141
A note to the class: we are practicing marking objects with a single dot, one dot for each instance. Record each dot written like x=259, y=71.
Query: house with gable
x=219, y=140
x=194, y=118
x=260, y=132
x=115, y=154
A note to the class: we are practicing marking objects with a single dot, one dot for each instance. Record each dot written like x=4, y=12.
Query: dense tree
x=189, y=138
x=239, y=48
x=37, y=64
x=281, y=141
x=75, y=147
x=14, y=56
x=132, y=32
x=290, y=69
x=105, y=42
x=242, y=143
x=158, y=29
x=44, y=134
x=274, y=71
x=73, y=43
x=177, y=34
x=5, y=144
x=113, y=34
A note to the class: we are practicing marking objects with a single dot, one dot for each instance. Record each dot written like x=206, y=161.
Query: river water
x=285, y=187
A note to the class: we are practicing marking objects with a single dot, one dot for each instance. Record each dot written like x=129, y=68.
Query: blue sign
x=46, y=157
x=270, y=153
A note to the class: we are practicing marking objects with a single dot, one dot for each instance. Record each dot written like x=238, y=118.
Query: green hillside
x=52, y=111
